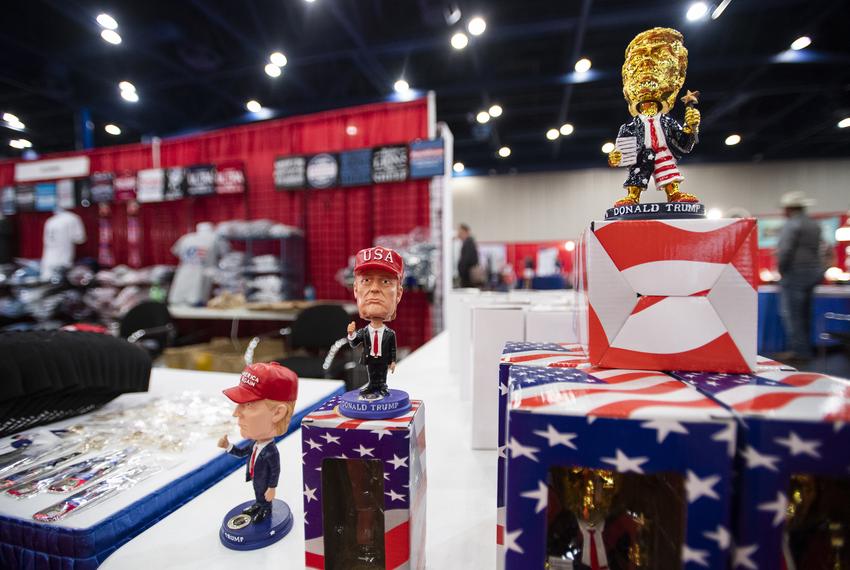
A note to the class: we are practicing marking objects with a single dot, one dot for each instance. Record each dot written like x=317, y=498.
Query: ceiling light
x=127, y=86
x=844, y=123
x=458, y=167
x=351, y=130
x=801, y=43
x=476, y=26
x=272, y=70
x=10, y=118
x=278, y=59
x=607, y=147
x=697, y=11
x=460, y=40
x=111, y=36
x=130, y=96
x=401, y=86
x=482, y=117
x=112, y=129
x=720, y=8
x=309, y=1
x=15, y=144
x=16, y=125
x=714, y=214
x=583, y=65
x=569, y=245
x=733, y=140
x=552, y=134
x=566, y=129
x=253, y=106
x=495, y=111
x=505, y=151
x=107, y=21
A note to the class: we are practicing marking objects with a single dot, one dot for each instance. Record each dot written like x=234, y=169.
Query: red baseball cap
x=265, y=381
x=381, y=258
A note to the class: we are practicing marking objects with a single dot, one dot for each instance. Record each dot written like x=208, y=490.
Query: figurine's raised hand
x=351, y=327
x=692, y=118
x=614, y=158
x=223, y=442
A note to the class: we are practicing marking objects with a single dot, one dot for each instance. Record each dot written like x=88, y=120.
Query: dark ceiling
x=195, y=63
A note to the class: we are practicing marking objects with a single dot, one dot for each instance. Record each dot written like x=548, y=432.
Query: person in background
x=800, y=262
x=468, y=256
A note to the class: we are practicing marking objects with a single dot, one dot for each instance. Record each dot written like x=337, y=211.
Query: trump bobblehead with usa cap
x=265, y=399
x=378, y=273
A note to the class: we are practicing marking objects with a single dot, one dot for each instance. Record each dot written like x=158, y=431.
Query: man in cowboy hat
x=799, y=257
x=377, y=289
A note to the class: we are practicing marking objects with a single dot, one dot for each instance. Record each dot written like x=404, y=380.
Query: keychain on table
x=37, y=470
x=101, y=468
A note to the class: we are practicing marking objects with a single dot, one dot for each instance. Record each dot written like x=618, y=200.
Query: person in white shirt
x=62, y=232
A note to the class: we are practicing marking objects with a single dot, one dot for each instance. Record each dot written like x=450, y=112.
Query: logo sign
x=45, y=196
x=71, y=167
x=290, y=172
x=150, y=185
x=426, y=159
x=125, y=187
x=101, y=187
x=8, y=202
x=355, y=167
x=229, y=179
x=389, y=164
x=82, y=192
x=322, y=171
x=175, y=183
x=200, y=180
x=25, y=196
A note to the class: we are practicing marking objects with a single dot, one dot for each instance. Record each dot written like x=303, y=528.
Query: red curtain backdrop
x=337, y=222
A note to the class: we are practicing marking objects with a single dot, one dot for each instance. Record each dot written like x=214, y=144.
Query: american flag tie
x=375, y=345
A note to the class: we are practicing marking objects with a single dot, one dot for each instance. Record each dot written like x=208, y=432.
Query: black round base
x=656, y=211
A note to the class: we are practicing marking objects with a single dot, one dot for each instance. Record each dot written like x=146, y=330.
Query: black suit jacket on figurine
x=387, y=345
x=266, y=465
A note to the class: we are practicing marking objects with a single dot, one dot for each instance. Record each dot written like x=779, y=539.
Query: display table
x=827, y=299
x=461, y=517
x=155, y=497
x=242, y=313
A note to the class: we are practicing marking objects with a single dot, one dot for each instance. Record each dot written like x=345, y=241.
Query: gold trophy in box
x=653, y=142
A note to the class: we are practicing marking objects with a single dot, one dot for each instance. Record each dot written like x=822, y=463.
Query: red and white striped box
x=672, y=294
x=399, y=443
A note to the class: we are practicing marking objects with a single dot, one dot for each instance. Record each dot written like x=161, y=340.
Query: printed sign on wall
x=125, y=187
x=229, y=178
x=101, y=187
x=389, y=164
x=355, y=167
x=290, y=172
x=322, y=171
x=45, y=196
x=175, y=183
x=426, y=158
x=200, y=180
x=150, y=186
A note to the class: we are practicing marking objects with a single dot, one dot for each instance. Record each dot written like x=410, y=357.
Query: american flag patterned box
x=628, y=421
x=790, y=423
x=399, y=443
x=672, y=294
x=541, y=354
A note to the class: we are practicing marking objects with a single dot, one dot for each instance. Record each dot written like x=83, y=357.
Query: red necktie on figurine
x=375, y=345
x=594, y=555
x=251, y=465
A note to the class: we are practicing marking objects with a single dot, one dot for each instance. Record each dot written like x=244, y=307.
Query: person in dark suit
x=378, y=273
x=265, y=399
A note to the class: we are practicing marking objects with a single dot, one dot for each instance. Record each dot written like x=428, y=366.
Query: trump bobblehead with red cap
x=265, y=399
x=378, y=272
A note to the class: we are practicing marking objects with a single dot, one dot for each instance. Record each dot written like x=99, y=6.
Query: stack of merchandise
x=121, y=288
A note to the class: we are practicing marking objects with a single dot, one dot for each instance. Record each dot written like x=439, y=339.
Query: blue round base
x=351, y=404
x=237, y=535
x=657, y=211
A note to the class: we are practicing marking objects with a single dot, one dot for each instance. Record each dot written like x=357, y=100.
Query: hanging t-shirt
x=151, y=185
x=198, y=253
x=61, y=233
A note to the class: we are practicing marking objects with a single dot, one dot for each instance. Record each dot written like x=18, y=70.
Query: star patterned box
x=541, y=354
x=664, y=448
x=793, y=466
x=335, y=449
x=672, y=294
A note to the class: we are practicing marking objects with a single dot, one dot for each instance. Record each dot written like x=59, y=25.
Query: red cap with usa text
x=265, y=381
x=380, y=258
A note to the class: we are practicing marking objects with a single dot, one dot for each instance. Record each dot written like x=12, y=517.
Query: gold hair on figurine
x=655, y=68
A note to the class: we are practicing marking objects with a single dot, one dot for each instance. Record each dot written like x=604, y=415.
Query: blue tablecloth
x=771, y=335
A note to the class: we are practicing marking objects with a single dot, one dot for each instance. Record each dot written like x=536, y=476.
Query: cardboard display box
x=361, y=475
x=672, y=294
